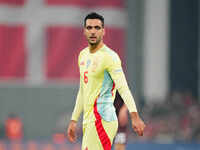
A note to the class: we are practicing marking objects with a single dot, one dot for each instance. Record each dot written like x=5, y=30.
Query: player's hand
x=137, y=124
x=71, y=131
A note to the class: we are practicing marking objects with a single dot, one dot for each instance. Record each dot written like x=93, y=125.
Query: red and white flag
x=40, y=39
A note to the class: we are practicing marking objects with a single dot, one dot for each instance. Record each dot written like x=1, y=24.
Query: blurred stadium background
x=157, y=40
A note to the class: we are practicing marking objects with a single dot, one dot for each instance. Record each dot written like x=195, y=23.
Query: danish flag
x=40, y=39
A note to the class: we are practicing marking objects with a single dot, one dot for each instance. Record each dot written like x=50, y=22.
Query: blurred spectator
x=172, y=120
x=122, y=114
x=14, y=127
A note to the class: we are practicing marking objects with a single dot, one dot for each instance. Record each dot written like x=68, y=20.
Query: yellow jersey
x=101, y=74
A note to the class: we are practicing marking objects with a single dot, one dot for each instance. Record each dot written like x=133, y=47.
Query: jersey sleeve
x=79, y=102
x=113, y=66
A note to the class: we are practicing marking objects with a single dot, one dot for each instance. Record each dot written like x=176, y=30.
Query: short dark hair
x=94, y=15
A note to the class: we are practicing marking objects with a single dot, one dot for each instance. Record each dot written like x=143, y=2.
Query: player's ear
x=104, y=31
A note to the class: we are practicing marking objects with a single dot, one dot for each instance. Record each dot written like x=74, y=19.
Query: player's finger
x=140, y=131
x=71, y=139
x=71, y=135
x=68, y=132
x=143, y=126
x=135, y=129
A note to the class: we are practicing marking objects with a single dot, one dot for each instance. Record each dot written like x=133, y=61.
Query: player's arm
x=115, y=70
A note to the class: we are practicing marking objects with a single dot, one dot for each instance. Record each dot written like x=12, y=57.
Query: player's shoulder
x=83, y=51
x=110, y=53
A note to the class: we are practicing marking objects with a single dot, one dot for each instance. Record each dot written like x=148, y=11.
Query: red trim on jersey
x=105, y=141
x=113, y=88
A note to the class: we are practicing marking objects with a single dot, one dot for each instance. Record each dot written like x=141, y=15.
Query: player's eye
x=89, y=27
x=97, y=27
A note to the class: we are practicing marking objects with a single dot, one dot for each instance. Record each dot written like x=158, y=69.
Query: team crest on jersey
x=88, y=63
x=82, y=63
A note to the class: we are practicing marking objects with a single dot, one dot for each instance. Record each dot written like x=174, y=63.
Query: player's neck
x=95, y=48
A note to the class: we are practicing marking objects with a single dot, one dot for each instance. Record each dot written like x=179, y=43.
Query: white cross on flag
x=40, y=39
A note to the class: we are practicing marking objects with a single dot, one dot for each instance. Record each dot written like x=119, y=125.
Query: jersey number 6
x=85, y=77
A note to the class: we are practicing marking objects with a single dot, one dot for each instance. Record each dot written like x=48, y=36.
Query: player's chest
x=92, y=66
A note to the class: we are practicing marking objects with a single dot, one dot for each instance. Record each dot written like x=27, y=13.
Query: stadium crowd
x=175, y=119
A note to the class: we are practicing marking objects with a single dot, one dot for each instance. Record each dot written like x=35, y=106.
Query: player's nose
x=93, y=30
x=92, y=34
